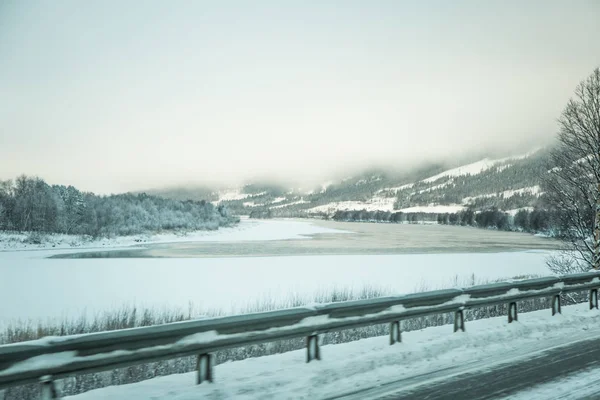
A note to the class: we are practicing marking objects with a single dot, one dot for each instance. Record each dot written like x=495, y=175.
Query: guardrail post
x=204, y=367
x=48, y=388
x=459, y=321
x=593, y=299
x=556, y=304
x=512, y=312
x=312, y=348
x=395, y=334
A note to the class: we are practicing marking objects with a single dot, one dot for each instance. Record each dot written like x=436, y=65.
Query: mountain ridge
x=508, y=183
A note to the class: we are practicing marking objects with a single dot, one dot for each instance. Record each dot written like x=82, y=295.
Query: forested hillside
x=508, y=184
x=30, y=204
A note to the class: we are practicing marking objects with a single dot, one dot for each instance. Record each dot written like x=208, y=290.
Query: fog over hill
x=508, y=183
x=207, y=93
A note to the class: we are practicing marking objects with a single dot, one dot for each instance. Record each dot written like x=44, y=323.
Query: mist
x=112, y=97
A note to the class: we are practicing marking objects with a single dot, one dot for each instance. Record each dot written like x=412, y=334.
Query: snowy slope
x=372, y=362
x=375, y=204
x=380, y=191
x=480, y=166
x=470, y=169
x=533, y=190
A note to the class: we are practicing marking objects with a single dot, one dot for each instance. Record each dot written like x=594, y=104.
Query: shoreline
x=292, y=237
x=343, y=239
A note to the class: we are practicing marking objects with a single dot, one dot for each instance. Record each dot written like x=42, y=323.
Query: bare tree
x=573, y=183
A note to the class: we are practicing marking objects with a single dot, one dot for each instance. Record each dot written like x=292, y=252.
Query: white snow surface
x=478, y=167
x=232, y=194
x=375, y=204
x=367, y=363
x=469, y=169
x=379, y=203
x=533, y=190
x=246, y=230
x=514, y=211
x=436, y=187
x=397, y=188
x=438, y=209
x=293, y=203
x=229, y=284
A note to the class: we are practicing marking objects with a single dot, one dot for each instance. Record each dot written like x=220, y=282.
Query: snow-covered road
x=425, y=357
x=583, y=384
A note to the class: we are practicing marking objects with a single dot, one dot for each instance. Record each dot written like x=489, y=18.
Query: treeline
x=536, y=220
x=382, y=216
x=512, y=175
x=30, y=204
x=268, y=213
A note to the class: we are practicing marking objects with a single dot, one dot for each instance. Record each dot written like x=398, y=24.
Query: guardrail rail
x=47, y=359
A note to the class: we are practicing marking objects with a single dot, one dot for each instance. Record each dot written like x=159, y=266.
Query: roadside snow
x=372, y=362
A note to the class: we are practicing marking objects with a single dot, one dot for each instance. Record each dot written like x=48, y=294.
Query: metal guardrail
x=51, y=358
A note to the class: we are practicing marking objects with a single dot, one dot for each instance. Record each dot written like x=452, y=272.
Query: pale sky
x=112, y=96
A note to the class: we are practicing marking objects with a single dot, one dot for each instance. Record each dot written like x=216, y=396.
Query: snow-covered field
x=35, y=287
x=375, y=204
x=348, y=367
x=246, y=230
x=440, y=209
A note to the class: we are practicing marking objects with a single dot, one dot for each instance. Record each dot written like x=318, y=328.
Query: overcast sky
x=112, y=96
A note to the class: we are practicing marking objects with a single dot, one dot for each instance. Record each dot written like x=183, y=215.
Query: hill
x=507, y=184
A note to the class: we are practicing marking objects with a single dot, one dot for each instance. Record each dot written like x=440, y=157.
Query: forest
x=30, y=204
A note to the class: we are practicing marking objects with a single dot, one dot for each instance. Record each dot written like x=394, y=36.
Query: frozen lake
x=208, y=274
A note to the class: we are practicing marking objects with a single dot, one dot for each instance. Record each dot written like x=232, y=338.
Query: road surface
x=498, y=380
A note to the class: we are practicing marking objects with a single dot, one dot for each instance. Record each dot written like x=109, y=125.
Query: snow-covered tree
x=572, y=184
x=29, y=204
